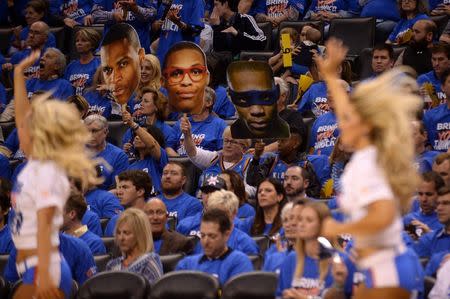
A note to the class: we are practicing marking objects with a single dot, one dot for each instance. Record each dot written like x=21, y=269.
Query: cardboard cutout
x=185, y=76
x=121, y=56
x=254, y=94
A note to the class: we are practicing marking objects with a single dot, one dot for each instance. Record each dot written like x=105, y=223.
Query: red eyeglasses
x=175, y=75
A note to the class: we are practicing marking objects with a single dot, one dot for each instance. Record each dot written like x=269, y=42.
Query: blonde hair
x=91, y=35
x=387, y=105
x=58, y=134
x=140, y=226
x=155, y=82
x=223, y=200
x=322, y=212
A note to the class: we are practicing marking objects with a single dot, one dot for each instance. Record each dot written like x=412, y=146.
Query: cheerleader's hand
x=329, y=226
x=335, y=55
x=28, y=61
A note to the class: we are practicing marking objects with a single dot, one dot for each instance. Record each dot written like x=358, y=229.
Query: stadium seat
x=170, y=261
x=192, y=173
x=257, y=56
x=60, y=36
x=441, y=22
x=253, y=285
x=4, y=288
x=172, y=222
x=363, y=64
x=104, y=223
x=263, y=243
x=358, y=39
x=13, y=288
x=298, y=25
x=3, y=261
x=428, y=284
x=116, y=131
x=266, y=27
x=186, y=285
x=109, y=243
x=5, y=36
x=256, y=260
x=195, y=239
x=115, y=285
x=309, y=121
x=101, y=261
x=7, y=128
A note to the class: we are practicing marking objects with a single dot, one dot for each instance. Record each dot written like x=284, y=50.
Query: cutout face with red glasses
x=185, y=76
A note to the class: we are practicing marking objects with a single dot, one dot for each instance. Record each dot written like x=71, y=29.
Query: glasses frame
x=185, y=71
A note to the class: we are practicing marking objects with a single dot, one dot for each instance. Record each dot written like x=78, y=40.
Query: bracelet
x=135, y=127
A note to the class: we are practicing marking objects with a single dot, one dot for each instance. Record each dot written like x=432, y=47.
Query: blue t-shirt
x=424, y=161
x=81, y=75
x=191, y=12
x=206, y=134
x=75, y=251
x=94, y=242
x=274, y=260
x=430, y=220
x=182, y=206
x=117, y=159
x=258, y=6
x=437, y=123
x=3, y=98
x=315, y=99
x=435, y=262
x=333, y=6
x=276, y=9
x=167, y=131
x=324, y=133
x=92, y=221
x=432, y=242
x=74, y=9
x=103, y=203
x=402, y=32
x=434, y=3
x=142, y=27
x=246, y=211
x=230, y=264
x=431, y=78
x=98, y=104
x=153, y=168
x=61, y=89
x=6, y=243
x=111, y=226
x=223, y=106
x=32, y=71
x=5, y=168
x=381, y=9
x=190, y=226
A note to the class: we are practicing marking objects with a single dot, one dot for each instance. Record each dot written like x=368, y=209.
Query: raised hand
x=28, y=61
x=335, y=55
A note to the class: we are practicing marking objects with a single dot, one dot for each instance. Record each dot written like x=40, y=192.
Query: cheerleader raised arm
x=378, y=182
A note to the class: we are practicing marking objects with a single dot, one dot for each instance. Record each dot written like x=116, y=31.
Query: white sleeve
x=204, y=158
x=441, y=289
x=52, y=188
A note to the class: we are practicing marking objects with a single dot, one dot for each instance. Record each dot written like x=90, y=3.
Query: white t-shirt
x=41, y=184
x=441, y=289
x=363, y=182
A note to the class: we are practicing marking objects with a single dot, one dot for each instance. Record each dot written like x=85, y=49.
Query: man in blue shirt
x=438, y=240
x=424, y=157
x=114, y=156
x=74, y=209
x=218, y=259
x=105, y=204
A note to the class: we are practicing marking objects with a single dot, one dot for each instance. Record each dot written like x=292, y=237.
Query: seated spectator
x=218, y=259
x=76, y=252
x=418, y=51
x=80, y=72
x=133, y=188
x=410, y=13
x=425, y=220
x=441, y=165
x=382, y=59
x=270, y=197
x=235, y=184
x=105, y=204
x=321, y=11
x=305, y=271
x=133, y=236
x=424, y=157
x=74, y=210
x=149, y=146
x=276, y=61
x=6, y=243
x=438, y=240
x=72, y=14
x=324, y=131
x=437, y=122
x=206, y=128
x=279, y=11
x=165, y=241
x=99, y=96
x=114, y=156
x=179, y=204
x=385, y=12
x=430, y=83
x=234, y=31
x=296, y=181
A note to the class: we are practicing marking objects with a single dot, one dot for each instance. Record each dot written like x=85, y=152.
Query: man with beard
x=418, y=54
x=296, y=180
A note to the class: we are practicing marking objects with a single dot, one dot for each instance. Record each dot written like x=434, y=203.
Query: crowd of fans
x=280, y=188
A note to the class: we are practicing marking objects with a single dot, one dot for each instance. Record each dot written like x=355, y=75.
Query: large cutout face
x=254, y=94
x=185, y=78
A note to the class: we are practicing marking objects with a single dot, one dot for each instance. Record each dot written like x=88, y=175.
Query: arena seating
x=254, y=285
x=170, y=261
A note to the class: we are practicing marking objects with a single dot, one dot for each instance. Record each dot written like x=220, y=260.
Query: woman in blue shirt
x=98, y=96
x=235, y=184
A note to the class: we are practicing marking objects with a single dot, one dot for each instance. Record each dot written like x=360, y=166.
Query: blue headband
x=255, y=97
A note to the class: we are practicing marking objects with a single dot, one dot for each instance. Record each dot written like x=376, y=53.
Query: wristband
x=135, y=127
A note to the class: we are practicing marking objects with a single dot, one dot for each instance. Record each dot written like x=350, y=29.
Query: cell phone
x=305, y=57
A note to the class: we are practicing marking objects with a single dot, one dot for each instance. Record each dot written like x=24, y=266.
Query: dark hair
x=77, y=203
x=421, y=8
x=441, y=48
x=217, y=66
x=384, y=47
x=139, y=178
x=434, y=177
x=157, y=134
x=237, y=183
x=121, y=31
x=179, y=164
x=157, y=97
x=5, y=196
x=232, y=4
x=217, y=216
x=183, y=45
x=444, y=76
x=259, y=223
x=303, y=172
x=40, y=6
x=444, y=191
x=302, y=133
x=80, y=103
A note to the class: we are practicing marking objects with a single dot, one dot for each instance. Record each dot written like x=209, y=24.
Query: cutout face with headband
x=254, y=94
x=185, y=76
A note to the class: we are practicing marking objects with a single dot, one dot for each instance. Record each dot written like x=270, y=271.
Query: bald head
x=157, y=215
x=37, y=36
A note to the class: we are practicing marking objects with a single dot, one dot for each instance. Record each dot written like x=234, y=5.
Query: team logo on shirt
x=276, y=8
x=70, y=9
x=168, y=25
x=198, y=139
x=325, y=137
x=327, y=5
x=443, y=136
x=15, y=223
x=308, y=286
x=195, y=233
x=118, y=8
x=320, y=106
x=79, y=82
